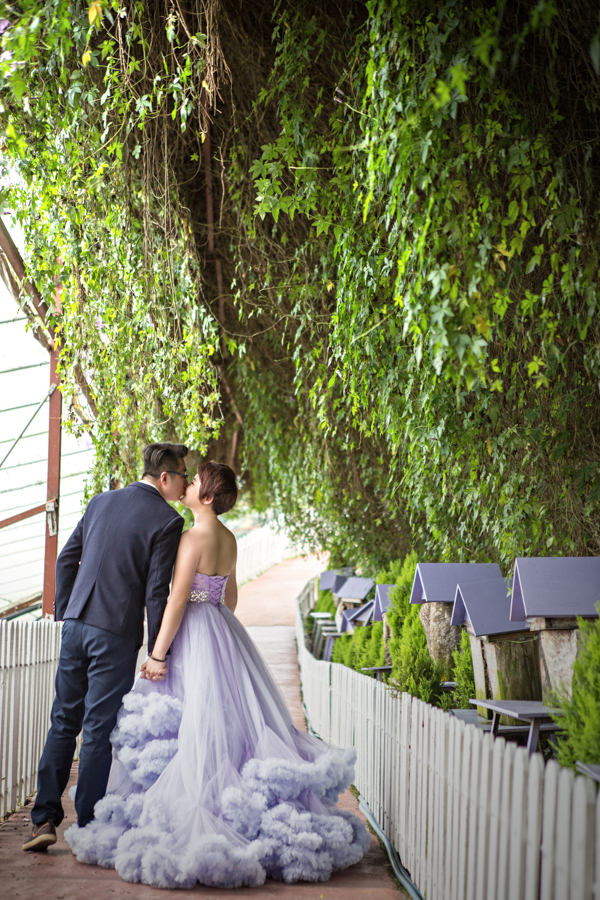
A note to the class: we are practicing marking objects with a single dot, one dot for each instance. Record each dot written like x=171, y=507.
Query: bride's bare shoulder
x=227, y=535
x=225, y=531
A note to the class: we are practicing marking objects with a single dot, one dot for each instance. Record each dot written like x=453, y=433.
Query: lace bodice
x=208, y=589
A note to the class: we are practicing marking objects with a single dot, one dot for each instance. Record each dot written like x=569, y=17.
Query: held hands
x=153, y=670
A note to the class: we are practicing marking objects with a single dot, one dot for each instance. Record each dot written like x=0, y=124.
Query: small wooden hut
x=549, y=593
x=351, y=594
x=505, y=654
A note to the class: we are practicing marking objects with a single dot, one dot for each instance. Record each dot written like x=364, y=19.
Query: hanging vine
x=389, y=323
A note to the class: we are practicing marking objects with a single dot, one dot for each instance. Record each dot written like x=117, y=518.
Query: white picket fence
x=29, y=654
x=260, y=550
x=28, y=657
x=471, y=818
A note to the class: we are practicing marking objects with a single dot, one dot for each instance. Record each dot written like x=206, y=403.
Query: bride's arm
x=231, y=593
x=186, y=563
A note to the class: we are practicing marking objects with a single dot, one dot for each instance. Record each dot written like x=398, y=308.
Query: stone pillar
x=442, y=637
x=559, y=643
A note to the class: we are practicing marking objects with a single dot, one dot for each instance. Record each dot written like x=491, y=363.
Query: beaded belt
x=200, y=597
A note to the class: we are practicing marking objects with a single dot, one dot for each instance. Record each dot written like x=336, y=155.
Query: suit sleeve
x=159, y=576
x=67, y=567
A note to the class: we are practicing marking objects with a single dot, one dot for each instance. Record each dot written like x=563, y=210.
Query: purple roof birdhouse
x=436, y=582
x=485, y=606
x=354, y=589
x=382, y=601
x=555, y=587
x=332, y=580
x=352, y=617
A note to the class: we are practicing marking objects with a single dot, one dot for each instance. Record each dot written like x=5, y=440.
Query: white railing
x=28, y=658
x=29, y=654
x=472, y=818
x=260, y=550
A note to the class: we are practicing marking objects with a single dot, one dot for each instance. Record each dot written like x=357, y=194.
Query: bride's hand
x=153, y=670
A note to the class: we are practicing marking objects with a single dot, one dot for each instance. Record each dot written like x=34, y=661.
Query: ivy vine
x=402, y=347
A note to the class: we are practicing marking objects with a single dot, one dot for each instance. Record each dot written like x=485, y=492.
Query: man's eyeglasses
x=172, y=472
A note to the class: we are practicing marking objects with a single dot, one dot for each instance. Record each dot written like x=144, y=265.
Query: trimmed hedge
x=463, y=673
x=581, y=720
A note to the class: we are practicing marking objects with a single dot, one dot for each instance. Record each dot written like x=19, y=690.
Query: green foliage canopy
x=93, y=187
x=458, y=189
x=408, y=219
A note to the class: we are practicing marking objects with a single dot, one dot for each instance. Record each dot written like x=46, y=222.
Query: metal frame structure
x=12, y=270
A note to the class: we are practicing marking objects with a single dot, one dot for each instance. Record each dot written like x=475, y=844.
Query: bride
x=210, y=780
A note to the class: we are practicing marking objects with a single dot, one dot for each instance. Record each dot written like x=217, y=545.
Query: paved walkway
x=266, y=607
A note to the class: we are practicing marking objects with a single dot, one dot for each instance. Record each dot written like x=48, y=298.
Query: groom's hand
x=153, y=671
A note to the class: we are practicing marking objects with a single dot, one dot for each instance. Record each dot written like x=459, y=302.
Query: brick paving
x=266, y=608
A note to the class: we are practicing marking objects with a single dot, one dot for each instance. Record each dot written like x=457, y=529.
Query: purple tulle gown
x=211, y=782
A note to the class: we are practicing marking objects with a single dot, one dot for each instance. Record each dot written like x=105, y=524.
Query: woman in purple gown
x=211, y=782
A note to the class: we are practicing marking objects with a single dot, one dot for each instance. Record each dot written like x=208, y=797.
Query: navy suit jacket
x=119, y=560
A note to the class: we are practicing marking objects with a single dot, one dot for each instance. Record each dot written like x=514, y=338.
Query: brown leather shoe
x=42, y=836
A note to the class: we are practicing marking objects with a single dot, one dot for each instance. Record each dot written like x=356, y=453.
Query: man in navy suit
x=118, y=561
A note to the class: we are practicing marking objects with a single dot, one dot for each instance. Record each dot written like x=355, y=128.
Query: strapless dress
x=211, y=782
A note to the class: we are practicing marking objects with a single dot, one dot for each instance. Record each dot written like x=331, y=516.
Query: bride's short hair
x=218, y=481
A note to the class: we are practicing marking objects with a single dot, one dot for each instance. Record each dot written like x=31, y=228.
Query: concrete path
x=266, y=607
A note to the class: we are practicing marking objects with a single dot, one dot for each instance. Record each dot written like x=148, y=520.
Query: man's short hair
x=161, y=457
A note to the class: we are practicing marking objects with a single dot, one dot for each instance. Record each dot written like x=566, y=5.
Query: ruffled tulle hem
x=255, y=834
x=211, y=783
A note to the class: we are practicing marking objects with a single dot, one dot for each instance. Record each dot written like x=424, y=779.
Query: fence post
x=582, y=840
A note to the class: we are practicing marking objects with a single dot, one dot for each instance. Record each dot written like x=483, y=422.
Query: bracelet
x=157, y=660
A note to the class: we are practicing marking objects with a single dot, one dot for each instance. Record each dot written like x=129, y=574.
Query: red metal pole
x=53, y=494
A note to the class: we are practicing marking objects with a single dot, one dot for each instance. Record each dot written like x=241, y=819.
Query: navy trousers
x=95, y=670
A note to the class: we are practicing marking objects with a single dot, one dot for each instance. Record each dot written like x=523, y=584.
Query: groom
x=118, y=560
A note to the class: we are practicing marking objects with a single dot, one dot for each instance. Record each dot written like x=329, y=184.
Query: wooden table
x=532, y=711
x=380, y=671
x=319, y=618
x=323, y=633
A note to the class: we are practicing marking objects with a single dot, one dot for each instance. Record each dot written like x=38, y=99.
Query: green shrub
x=360, y=643
x=581, y=719
x=361, y=650
x=414, y=671
x=391, y=574
x=463, y=673
x=342, y=650
x=368, y=646
x=325, y=603
x=400, y=596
